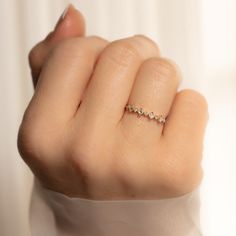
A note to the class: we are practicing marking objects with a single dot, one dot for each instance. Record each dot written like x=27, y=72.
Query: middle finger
x=113, y=78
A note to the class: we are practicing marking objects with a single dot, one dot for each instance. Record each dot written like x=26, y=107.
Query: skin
x=78, y=140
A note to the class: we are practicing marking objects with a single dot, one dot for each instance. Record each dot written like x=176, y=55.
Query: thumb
x=70, y=24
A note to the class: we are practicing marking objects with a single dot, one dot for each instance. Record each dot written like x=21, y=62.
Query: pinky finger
x=186, y=123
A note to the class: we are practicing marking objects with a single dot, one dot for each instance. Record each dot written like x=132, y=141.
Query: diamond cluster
x=141, y=112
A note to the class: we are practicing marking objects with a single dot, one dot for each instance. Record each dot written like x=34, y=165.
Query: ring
x=140, y=111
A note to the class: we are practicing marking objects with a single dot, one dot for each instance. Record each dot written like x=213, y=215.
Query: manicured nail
x=59, y=25
x=63, y=16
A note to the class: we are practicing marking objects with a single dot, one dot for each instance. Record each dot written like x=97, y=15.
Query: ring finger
x=154, y=90
x=112, y=81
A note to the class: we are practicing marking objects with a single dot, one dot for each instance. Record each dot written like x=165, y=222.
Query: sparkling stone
x=131, y=108
x=140, y=111
x=145, y=113
x=156, y=118
x=151, y=115
x=162, y=119
x=135, y=109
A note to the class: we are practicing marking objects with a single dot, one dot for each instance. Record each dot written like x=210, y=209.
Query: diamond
x=151, y=115
x=140, y=111
x=162, y=120
x=131, y=108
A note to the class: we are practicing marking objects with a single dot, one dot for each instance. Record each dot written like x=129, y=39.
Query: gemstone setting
x=141, y=112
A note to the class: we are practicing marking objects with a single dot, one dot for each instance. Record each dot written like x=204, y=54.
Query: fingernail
x=63, y=16
x=60, y=26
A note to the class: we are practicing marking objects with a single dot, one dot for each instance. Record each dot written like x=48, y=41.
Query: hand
x=78, y=139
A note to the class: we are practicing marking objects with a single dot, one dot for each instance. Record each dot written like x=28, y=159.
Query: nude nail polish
x=62, y=17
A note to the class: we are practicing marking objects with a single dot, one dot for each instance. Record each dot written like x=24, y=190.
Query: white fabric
x=55, y=214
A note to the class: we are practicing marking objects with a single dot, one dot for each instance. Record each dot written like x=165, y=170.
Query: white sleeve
x=54, y=214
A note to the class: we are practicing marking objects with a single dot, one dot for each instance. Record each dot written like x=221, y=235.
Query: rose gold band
x=140, y=111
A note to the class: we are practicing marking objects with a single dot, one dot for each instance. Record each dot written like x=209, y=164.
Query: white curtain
x=200, y=35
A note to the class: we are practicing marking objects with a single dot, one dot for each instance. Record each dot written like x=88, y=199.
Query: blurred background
x=200, y=35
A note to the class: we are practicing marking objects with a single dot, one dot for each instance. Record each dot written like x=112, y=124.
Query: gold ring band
x=141, y=112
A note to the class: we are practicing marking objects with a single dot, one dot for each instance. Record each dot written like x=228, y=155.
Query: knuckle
x=121, y=52
x=84, y=150
x=81, y=150
x=35, y=56
x=181, y=178
x=22, y=142
x=163, y=69
x=146, y=42
x=85, y=160
x=195, y=100
x=80, y=158
x=97, y=39
x=73, y=47
x=35, y=139
x=29, y=142
x=124, y=51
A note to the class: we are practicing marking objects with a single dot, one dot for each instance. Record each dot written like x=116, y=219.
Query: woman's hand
x=77, y=137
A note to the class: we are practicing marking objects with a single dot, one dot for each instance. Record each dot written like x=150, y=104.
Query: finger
x=71, y=24
x=154, y=90
x=113, y=78
x=186, y=123
x=63, y=79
